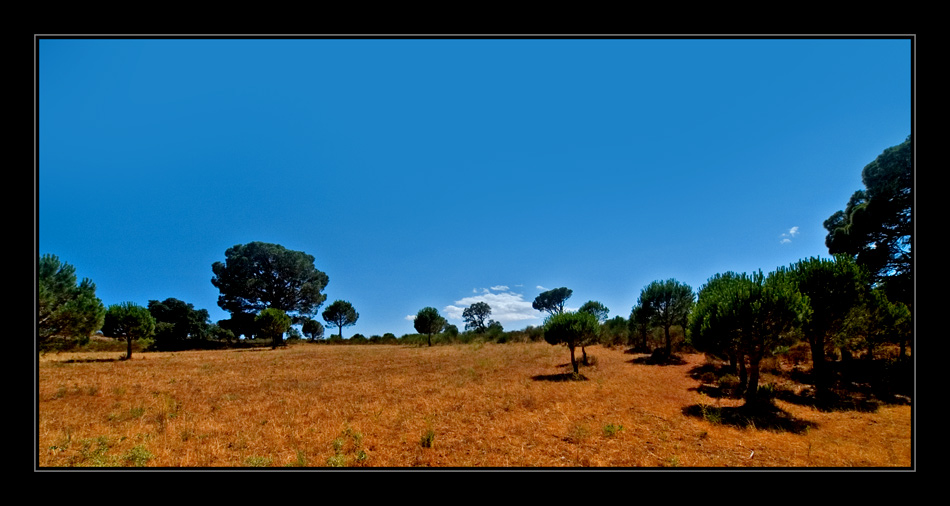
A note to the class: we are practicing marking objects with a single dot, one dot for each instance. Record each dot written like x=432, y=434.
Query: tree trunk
x=128, y=353
x=743, y=374
x=818, y=369
x=669, y=345
x=430, y=339
x=584, y=354
x=751, y=395
x=573, y=360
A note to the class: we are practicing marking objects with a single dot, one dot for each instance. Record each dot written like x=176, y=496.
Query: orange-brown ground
x=475, y=405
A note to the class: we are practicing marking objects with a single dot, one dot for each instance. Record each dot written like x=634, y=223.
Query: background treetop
x=64, y=307
x=875, y=227
x=552, y=301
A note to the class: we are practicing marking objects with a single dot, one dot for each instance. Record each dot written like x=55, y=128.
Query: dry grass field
x=460, y=406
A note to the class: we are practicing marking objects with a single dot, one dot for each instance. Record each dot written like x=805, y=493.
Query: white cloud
x=411, y=317
x=506, y=306
x=787, y=236
x=539, y=287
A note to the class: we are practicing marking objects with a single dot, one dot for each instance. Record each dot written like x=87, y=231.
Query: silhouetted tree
x=340, y=314
x=875, y=227
x=259, y=275
x=313, y=329
x=476, y=317
x=552, y=301
x=428, y=322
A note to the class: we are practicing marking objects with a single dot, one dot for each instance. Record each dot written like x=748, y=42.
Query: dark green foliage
x=240, y=324
x=640, y=325
x=271, y=324
x=178, y=323
x=65, y=308
x=833, y=288
x=340, y=314
x=667, y=303
x=875, y=227
x=313, y=329
x=428, y=321
x=747, y=317
x=571, y=330
x=615, y=331
x=876, y=321
x=260, y=275
x=476, y=317
x=128, y=321
x=552, y=301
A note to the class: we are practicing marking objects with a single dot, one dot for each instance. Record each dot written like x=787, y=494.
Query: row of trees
x=860, y=298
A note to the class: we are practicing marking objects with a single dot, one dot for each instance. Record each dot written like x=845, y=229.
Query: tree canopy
x=177, y=321
x=667, y=303
x=340, y=314
x=552, y=301
x=65, y=308
x=312, y=329
x=748, y=315
x=271, y=324
x=428, y=321
x=833, y=288
x=595, y=308
x=571, y=330
x=875, y=227
x=128, y=321
x=260, y=275
x=476, y=317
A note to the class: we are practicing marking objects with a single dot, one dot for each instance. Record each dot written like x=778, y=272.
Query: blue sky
x=441, y=172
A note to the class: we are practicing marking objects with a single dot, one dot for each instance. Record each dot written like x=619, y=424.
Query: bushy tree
x=640, y=324
x=571, y=330
x=876, y=321
x=428, y=321
x=833, y=287
x=597, y=309
x=313, y=329
x=752, y=313
x=875, y=227
x=271, y=324
x=65, y=308
x=259, y=275
x=615, y=331
x=668, y=303
x=178, y=322
x=552, y=301
x=128, y=321
x=714, y=324
x=340, y=314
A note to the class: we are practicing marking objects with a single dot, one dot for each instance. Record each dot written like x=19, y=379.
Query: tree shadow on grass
x=659, y=358
x=86, y=360
x=762, y=416
x=567, y=376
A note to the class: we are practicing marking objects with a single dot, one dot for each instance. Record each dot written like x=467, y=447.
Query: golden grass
x=501, y=406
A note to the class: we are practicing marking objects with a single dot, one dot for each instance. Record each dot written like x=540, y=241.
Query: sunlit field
x=462, y=406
